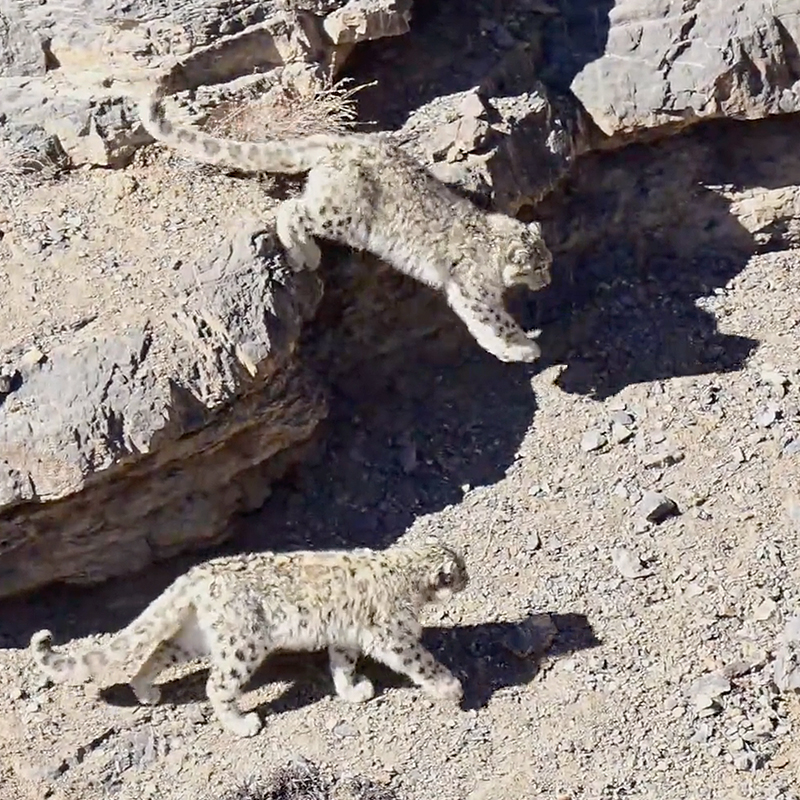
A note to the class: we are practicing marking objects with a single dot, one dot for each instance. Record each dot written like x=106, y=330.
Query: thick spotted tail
x=288, y=157
x=61, y=668
x=160, y=621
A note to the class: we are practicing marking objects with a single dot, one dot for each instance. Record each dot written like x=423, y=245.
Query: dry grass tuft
x=285, y=112
x=303, y=780
x=298, y=781
x=21, y=167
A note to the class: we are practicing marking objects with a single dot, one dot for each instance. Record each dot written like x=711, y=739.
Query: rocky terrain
x=629, y=506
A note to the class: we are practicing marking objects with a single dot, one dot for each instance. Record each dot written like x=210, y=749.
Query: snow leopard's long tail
x=161, y=620
x=289, y=157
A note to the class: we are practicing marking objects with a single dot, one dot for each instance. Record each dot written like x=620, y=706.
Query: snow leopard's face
x=527, y=259
x=447, y=574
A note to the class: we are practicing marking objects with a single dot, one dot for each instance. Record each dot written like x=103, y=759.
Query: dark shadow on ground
x=452, y=47
x=641, y=237
x=407, y=430
x=476, y=653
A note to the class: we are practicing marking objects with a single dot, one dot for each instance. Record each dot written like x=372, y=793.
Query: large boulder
x=664, y=65
x=503, y=104
x=123, y=443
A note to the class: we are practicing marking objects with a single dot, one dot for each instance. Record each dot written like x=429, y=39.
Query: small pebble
x=764, y=610
x=736, y=744
x=641, y=525
x=593, y=440
x=744, y=761
x=628, y=564
x=773, y=377
x=736, y=668
x=763, y=726
x=32, y=358
x=766, y=416
x=663, y=457
x=344, y=730
x=702, y=733
x=620, y=434
x=656, y=507
x=621, y=418
x=533, y=542
x=707, y=688
x=792, y=448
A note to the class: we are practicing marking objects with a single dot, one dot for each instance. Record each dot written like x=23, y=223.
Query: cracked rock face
x=125, y=446
x=671, y=64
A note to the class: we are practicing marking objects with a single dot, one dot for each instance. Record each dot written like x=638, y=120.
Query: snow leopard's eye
x=519, y=256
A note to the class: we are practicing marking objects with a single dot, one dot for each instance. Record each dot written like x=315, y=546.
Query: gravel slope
x=604, y=656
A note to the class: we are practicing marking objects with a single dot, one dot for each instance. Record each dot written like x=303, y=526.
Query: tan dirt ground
x=490, y=457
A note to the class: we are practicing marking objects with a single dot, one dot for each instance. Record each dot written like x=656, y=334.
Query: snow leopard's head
x=525, y=258
x=445, y=570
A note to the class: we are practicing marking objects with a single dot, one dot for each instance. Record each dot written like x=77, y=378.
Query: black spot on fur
x=184, y=135
x=235, y=150
x=211, y=147
x=238, y=654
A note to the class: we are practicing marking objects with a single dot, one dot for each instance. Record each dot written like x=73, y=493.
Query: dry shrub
x=303, y=780
x=21, y=166
x=284, y=112
x=300, y=780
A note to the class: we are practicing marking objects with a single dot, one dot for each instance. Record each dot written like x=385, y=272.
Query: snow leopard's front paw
x=146, y=693
x=358, y=692
x=447, y=687
x=519, y=352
